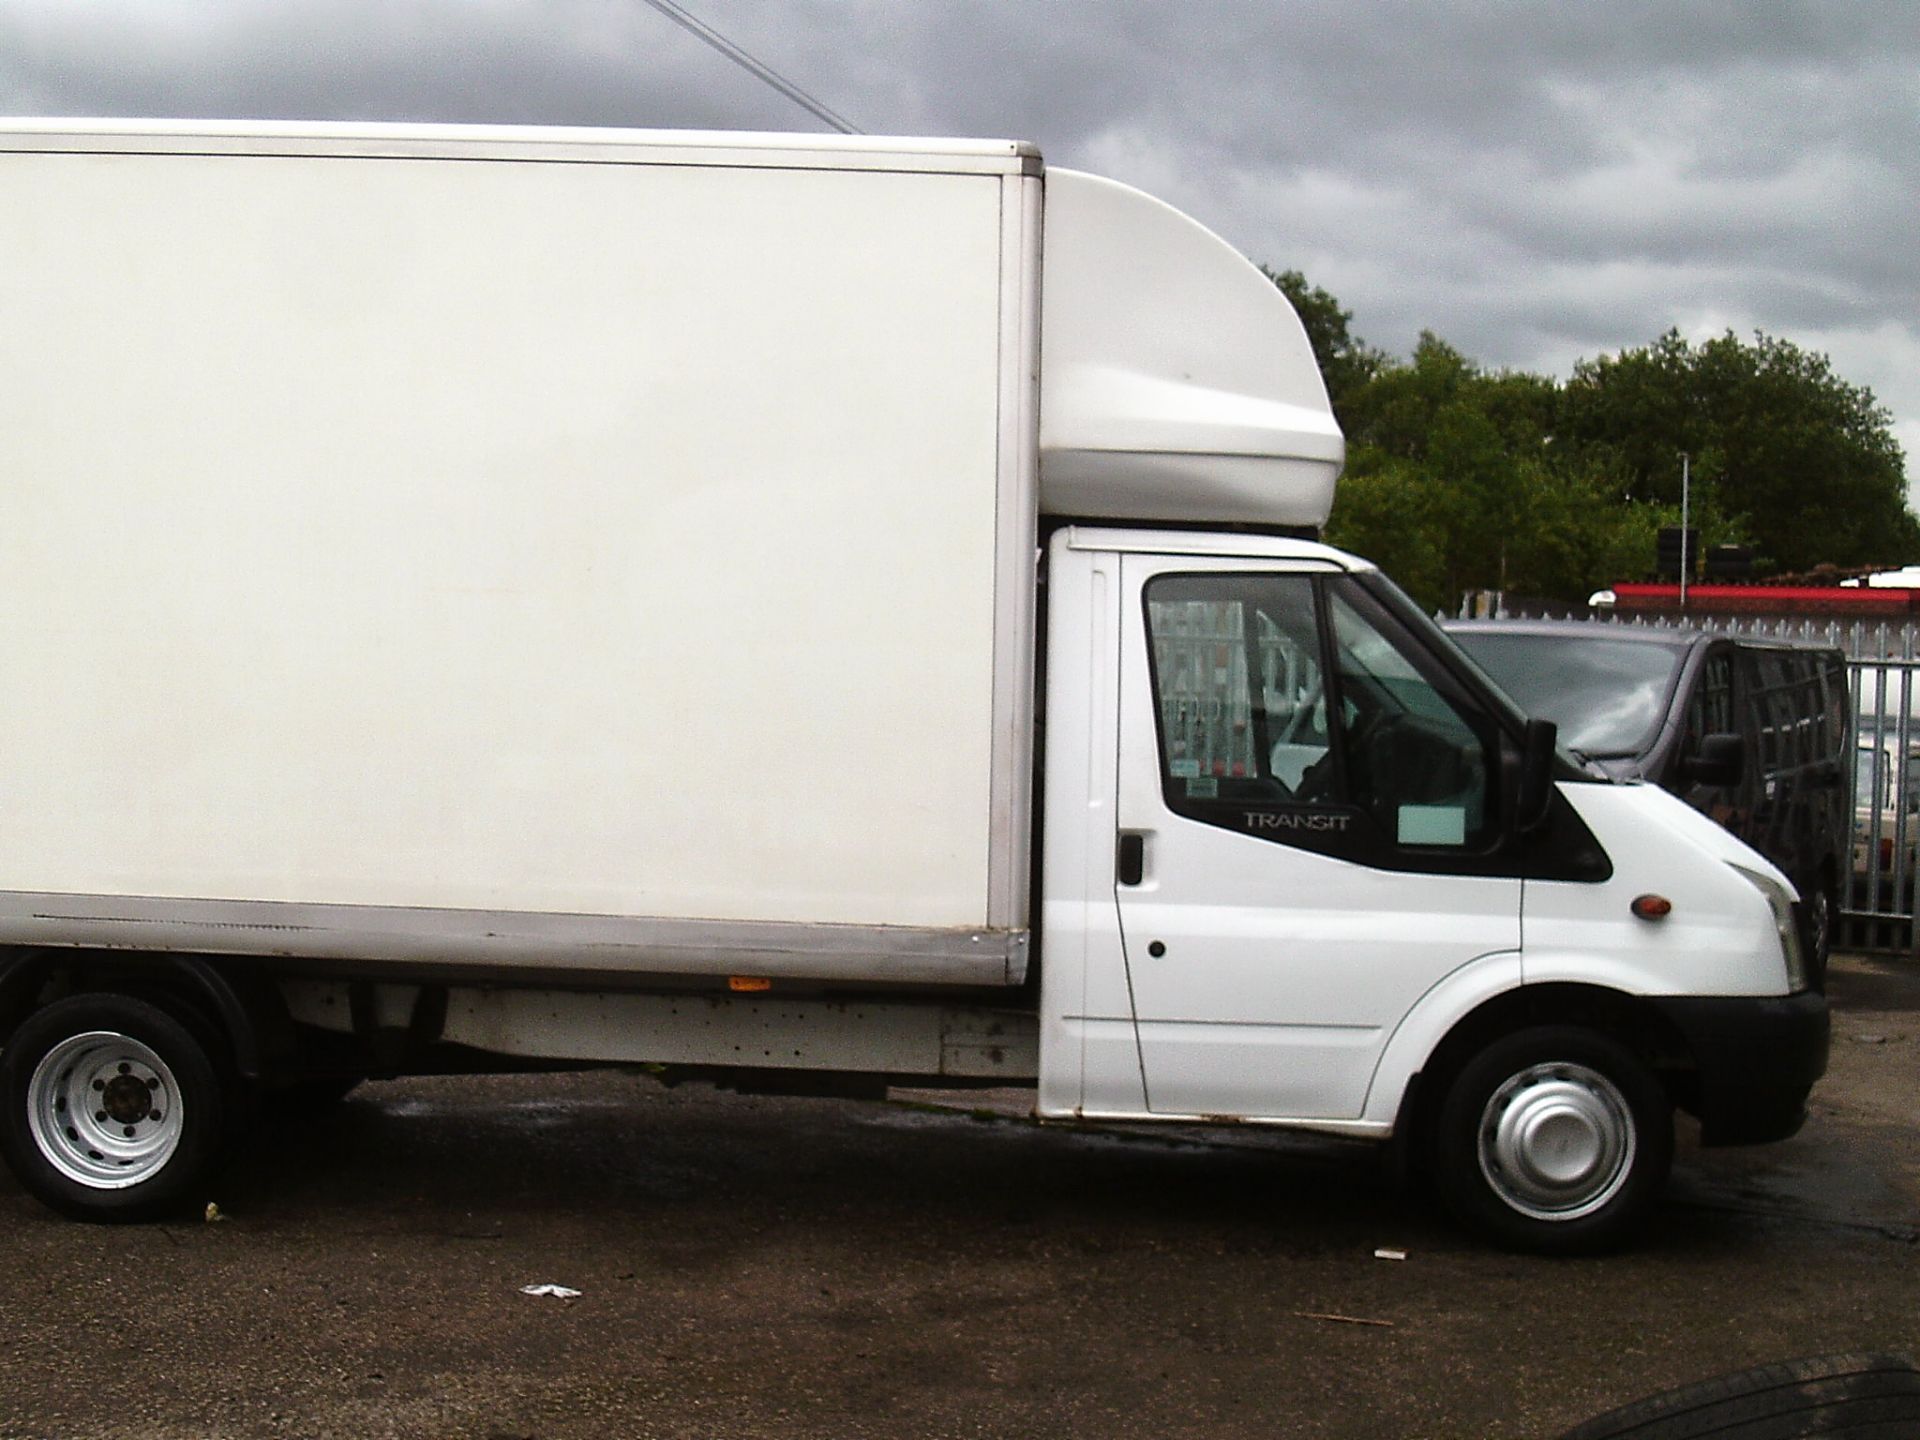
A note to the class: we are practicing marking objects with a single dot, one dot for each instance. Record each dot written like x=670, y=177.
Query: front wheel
x=113, y=1110
x=1554, y=1139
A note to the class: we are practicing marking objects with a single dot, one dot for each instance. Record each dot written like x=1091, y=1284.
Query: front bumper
x=1755, y=1061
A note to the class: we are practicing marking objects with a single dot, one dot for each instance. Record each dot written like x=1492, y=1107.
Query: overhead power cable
x=707, y=35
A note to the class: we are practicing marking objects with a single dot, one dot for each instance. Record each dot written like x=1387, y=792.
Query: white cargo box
x=514, y=526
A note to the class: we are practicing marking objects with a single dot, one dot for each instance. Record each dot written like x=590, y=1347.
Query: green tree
x=1805, y=459
x=1346, y=361
x=1390, y=511
x=1395, y=411
x=1459, y=478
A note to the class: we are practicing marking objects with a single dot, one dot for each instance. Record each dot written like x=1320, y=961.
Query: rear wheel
x=113, y=1109
x=1553, y=1139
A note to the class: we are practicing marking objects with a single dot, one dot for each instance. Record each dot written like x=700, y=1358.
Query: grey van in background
x=1755, y=735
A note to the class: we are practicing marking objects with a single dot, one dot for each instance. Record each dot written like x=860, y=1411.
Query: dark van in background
x=1753, y=734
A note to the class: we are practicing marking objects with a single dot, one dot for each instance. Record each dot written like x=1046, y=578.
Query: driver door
x=1308, y=815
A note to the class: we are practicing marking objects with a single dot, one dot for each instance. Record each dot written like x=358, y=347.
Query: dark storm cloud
x=562, y=63
x=1534, y=183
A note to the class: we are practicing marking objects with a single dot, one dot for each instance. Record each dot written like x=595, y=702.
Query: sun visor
x=1176, y=383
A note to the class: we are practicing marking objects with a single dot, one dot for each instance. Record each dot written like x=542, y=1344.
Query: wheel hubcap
x=105, y=1110
x=1557, y=1141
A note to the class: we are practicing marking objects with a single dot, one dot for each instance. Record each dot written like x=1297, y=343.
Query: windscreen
x=1607, y=696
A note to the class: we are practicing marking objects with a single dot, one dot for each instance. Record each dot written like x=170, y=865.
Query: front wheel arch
x=1636, y=1024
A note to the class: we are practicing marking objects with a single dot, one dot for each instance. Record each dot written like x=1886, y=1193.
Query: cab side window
x=1295, y=709
x=1238, y=686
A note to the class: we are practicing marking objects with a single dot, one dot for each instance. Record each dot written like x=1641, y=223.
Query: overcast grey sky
x=1534, y=183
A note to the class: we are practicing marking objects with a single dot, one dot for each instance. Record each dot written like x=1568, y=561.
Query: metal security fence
x=1879, y=914
x=1883, y=681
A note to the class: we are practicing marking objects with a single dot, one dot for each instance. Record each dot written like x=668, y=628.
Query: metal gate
x=1878, y=907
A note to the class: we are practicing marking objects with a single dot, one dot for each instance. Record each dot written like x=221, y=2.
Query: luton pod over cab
x=501, y=597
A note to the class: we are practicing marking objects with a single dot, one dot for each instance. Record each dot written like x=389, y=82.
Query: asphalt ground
x=929, y=1266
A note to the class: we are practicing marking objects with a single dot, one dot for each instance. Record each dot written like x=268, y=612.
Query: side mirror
x=1720, y=760
x=1536, y=775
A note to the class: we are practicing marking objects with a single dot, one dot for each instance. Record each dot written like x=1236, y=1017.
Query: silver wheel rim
x=1557, y=1141
x=104, y=1110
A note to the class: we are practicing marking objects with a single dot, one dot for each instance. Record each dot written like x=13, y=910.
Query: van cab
x=1305, y=865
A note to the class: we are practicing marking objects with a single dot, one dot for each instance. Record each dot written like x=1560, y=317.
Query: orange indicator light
x=1652, y=907
x=748, y=983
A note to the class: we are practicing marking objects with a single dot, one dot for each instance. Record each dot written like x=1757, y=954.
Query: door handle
x=1130, y=865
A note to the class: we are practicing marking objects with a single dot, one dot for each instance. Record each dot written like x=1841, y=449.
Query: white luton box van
x=773, y=608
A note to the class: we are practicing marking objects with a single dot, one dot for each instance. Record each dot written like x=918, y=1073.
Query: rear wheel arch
x=24, y=977
x=241, y=1019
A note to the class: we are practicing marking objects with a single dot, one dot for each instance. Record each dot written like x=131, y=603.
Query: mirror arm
x=1535, y=798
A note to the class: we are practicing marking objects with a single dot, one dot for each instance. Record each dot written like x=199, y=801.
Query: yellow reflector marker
x=748, y=982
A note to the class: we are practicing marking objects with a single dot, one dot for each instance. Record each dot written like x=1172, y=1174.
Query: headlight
x=1780, y=902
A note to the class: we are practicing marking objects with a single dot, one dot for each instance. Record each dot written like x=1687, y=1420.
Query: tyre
x=1554, y=1139
x=1823, y=913
x=1858, y=1395
x=113, y=1108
